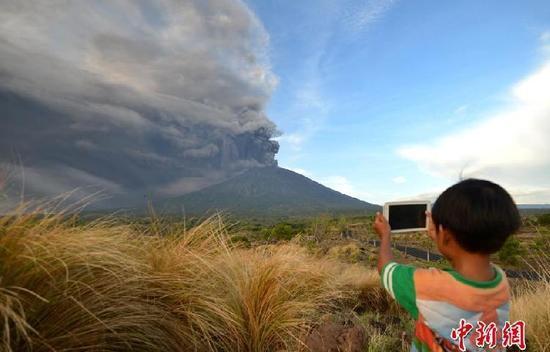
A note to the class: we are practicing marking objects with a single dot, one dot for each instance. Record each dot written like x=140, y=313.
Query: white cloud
x=293, y=140
x=510, y=147
x=521, y=195
x=530, y=195
x=343, y=185
x=430, y=195
x=338, y=183
x=399, y=179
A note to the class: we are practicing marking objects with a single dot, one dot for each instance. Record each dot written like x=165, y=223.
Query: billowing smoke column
x=134, y=98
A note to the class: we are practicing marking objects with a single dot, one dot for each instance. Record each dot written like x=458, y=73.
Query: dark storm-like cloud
x=133, y=96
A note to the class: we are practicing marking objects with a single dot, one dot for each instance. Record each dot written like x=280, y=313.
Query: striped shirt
x=439, y=299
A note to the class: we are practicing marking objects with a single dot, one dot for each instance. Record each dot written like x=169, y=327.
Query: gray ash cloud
x=133, y=97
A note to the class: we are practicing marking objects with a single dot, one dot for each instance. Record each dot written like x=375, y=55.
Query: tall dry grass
x=110, y=287
x=531, y=302
x=532, y=305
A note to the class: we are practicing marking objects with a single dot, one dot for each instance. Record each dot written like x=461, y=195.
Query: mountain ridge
x=267, y=191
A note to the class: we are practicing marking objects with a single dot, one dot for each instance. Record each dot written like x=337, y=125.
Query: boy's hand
x=383, y=229
x=431, y=226
x=381, y=225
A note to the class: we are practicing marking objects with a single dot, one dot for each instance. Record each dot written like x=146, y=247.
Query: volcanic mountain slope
x=267, y=191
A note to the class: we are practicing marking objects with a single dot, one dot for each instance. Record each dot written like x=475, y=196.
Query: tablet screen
x=407, y=216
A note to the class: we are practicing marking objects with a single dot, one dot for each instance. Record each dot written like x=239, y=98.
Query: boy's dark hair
x=480, y=214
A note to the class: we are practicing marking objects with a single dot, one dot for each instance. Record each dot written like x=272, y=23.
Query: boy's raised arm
x=396, y=278
x=382, y=228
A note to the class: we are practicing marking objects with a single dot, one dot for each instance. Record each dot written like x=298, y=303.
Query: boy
x=468, y=222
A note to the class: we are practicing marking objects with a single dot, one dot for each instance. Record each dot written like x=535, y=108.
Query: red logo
x=514, y=334
x=487, y=335
x=460, y=333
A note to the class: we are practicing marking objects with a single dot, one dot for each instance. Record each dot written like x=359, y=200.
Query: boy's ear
x=431, y=227
x=444, y=235
x=447, y=236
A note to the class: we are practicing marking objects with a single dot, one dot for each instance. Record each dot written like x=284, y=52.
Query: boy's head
x=479, y=214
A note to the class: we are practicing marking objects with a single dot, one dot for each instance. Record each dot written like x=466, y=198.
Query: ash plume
x=133, y=97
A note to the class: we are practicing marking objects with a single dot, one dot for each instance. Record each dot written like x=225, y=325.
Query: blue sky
x=388, y=100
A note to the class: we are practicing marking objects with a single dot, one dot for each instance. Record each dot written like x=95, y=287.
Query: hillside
x=267, y=191
x=534, y=209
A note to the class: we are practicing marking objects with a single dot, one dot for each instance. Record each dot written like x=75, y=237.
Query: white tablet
x=407, y=216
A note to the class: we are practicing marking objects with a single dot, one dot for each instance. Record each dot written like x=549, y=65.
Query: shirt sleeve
x=398, y=280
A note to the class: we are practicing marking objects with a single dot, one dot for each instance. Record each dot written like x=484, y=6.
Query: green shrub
x=282, y=232
x=542, y=239
x=320, y=228
x=240, y=240
x=511, y=251
x=544, y=219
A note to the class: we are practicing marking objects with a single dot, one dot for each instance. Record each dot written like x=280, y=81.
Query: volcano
x=267, y=191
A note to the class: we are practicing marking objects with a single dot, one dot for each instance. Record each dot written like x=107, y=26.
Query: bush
x=282, y=232
x=542, y=240
x=544, y=219
x=240, y=240
x=320, y=228
x=511, y=251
